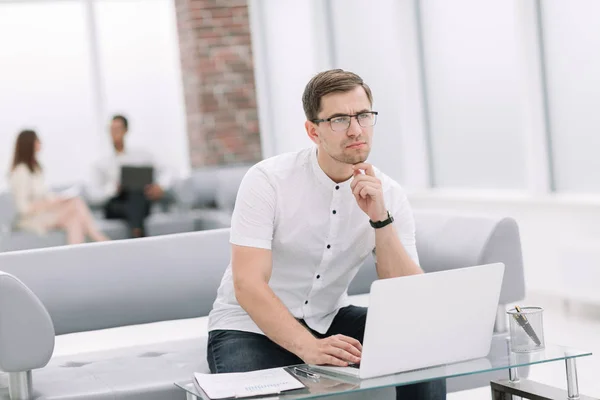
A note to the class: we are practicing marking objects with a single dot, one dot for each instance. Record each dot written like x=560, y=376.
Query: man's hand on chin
x=368, y=192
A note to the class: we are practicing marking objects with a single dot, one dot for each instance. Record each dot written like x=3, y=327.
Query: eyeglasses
x=342, y=122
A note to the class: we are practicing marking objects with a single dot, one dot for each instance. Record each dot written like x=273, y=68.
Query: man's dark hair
x=332, y=81
x=121, y=118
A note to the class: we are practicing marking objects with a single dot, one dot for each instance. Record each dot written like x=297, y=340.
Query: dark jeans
x=132, y=206
x=236, y=351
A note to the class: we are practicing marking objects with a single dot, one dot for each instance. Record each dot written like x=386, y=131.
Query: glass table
x=322, y=384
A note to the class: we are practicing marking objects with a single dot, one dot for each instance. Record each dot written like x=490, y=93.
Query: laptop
x=428, y=320
x=135, y=178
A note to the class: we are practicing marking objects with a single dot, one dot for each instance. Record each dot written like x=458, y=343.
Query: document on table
x=247, y=384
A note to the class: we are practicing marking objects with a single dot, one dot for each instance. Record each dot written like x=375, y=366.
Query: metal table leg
x=572, y=384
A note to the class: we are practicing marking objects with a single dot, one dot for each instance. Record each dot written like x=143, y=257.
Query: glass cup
x=526, y=329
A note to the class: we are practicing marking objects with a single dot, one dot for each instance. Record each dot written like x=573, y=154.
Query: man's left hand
x=154, y=192
x=368, y=192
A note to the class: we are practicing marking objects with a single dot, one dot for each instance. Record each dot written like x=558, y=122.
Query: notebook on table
x=247, y=384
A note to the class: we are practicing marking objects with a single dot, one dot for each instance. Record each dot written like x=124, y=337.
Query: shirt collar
x=322, y=176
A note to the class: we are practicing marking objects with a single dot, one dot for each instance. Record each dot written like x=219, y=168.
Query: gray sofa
x=202, y=201
x=67, y=289
x=164, y=219
x=207, y=197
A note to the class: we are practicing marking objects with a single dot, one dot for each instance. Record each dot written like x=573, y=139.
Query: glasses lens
x=340, y=123
x=366, y=119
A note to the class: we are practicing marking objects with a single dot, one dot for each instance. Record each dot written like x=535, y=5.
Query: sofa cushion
x=125, y=282
x=113, y=228
x=198, y=190
x=168, y=223
x=209, y=218
x=21, y=240
x=157, y=224
x=141, y=372
x=8, y=212
x=229, y=182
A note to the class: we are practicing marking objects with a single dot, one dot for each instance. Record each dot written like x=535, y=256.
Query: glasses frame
x=375, y=113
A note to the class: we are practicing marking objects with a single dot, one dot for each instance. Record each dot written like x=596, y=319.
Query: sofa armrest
x=26, y=329
x=448, y=240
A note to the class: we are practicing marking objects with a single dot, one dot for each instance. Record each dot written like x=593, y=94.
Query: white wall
x=45, y=84
x=47, y=81
x=288, y=42
x=473, y=78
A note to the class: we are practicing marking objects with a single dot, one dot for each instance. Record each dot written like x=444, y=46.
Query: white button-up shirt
x=318, y=236
x=106, y=173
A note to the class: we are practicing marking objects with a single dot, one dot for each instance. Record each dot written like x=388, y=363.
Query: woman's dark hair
x=25, y=151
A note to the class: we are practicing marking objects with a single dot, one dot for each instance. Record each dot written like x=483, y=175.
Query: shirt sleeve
x=404, y=220
x=20, y=186
x=253, y=219
x=164, y=174
x=101, y=188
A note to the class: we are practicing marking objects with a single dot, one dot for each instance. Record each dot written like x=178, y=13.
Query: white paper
x=246, y=384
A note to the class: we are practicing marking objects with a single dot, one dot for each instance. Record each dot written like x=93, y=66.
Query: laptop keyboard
x=357, y=366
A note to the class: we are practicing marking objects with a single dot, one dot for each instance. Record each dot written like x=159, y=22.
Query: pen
x=522, y=320
x=307, y=373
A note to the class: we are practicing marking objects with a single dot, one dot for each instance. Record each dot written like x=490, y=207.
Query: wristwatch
x=385, y=222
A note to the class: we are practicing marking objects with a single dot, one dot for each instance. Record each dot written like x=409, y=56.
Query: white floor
x=576, y=326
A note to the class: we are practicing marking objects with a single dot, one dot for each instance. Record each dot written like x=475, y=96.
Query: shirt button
x=337, y=188
x=306, y=302
x=318, y=276
x=328, y=246
x=334, y=211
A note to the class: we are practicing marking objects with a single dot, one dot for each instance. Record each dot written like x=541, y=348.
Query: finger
x=368, y=191
x=358, y=189
x=356, y=174
x=368, y=168
x=363, y=178
x=350, y=340
x=342, y=354
x=331, y=360
x=348, y=347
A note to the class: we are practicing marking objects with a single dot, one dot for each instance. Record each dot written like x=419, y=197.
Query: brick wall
x=218, y=81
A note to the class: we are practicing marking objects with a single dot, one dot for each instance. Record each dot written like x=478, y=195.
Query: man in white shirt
x=302, y=226
x=131, y=206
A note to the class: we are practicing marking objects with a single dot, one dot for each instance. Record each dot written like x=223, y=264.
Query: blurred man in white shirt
x=131, y=206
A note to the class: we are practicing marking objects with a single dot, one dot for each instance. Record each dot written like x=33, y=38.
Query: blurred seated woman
x=39, y=209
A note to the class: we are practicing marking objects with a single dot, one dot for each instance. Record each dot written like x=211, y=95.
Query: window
x=473, y=93
x=571, y=39
x=49, y=54
x=45, y=76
